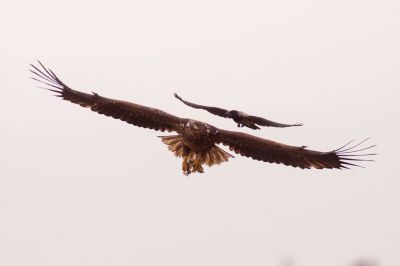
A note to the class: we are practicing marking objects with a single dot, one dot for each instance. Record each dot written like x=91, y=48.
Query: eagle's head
x=197, y=127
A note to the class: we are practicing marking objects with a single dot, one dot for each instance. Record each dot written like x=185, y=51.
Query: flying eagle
x=242, y=119
x=196, y=142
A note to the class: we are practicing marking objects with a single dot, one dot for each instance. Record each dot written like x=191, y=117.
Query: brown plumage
x=196, y=141
x=242, y=119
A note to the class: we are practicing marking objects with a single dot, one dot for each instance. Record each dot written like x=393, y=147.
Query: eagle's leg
x=192, y=165
x=186, y=166
x=195, y=166
x=198, y=168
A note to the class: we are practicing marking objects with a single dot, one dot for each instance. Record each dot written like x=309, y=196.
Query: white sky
x=77, y=188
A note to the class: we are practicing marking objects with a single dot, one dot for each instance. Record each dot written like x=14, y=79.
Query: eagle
x=196, y=142
x=242, y=119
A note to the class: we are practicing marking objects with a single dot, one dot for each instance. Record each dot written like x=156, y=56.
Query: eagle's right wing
x=297, y=156
x=214, y=110
x=131, y=113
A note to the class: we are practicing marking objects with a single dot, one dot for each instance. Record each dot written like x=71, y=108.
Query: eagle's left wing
x=135, y=114
x=273, y=152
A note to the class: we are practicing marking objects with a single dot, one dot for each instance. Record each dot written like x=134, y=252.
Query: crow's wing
x=268, y=123
x=214, y=110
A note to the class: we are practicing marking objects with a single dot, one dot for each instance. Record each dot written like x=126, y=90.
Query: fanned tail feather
x=175, y=145
x=215, y=155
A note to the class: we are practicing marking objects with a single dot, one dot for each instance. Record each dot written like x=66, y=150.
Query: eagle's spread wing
x=214, y=110
x=267, y=123
x=274, y=152
x=131, y=113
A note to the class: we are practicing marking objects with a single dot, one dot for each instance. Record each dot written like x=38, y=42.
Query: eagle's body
x=196, y=145
x=196, y=141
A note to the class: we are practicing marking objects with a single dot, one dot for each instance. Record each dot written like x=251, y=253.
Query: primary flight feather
x=196, y=142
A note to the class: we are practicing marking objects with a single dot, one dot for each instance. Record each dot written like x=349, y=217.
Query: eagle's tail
x=215, y=155
x=175, y=145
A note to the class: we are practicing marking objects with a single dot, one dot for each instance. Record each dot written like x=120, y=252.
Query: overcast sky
x=77, y=188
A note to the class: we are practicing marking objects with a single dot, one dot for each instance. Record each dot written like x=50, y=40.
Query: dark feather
x=214, y=110
x=274, y=152
x=268, y=123
x=129, y=112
